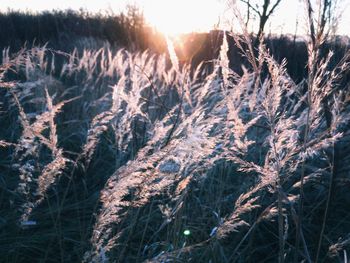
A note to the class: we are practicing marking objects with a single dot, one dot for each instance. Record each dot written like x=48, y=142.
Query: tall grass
x=109, y=156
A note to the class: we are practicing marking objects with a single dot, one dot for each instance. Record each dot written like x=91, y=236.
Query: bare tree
x=263, y=9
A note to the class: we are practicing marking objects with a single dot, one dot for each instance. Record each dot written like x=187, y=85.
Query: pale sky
x=182, y=16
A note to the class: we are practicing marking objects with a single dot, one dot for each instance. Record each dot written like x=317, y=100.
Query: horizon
x=164, y=15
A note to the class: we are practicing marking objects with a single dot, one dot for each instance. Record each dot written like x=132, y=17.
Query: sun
x=173, y=17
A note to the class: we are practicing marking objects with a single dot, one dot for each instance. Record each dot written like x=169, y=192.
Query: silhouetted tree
x=263, y=9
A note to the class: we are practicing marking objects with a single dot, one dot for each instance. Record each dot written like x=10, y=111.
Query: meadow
x=116, y=154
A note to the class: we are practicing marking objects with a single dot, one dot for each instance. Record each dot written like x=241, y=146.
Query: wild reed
x=131, y=157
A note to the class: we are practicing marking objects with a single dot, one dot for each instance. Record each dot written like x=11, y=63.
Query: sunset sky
x=183, y=16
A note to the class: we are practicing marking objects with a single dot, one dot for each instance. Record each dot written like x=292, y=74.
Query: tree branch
x=252, y=7
x=274, y=7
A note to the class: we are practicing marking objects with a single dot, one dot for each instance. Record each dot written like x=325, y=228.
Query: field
x=112, y=154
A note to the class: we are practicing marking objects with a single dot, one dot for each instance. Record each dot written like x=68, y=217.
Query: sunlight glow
x=182, y=16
